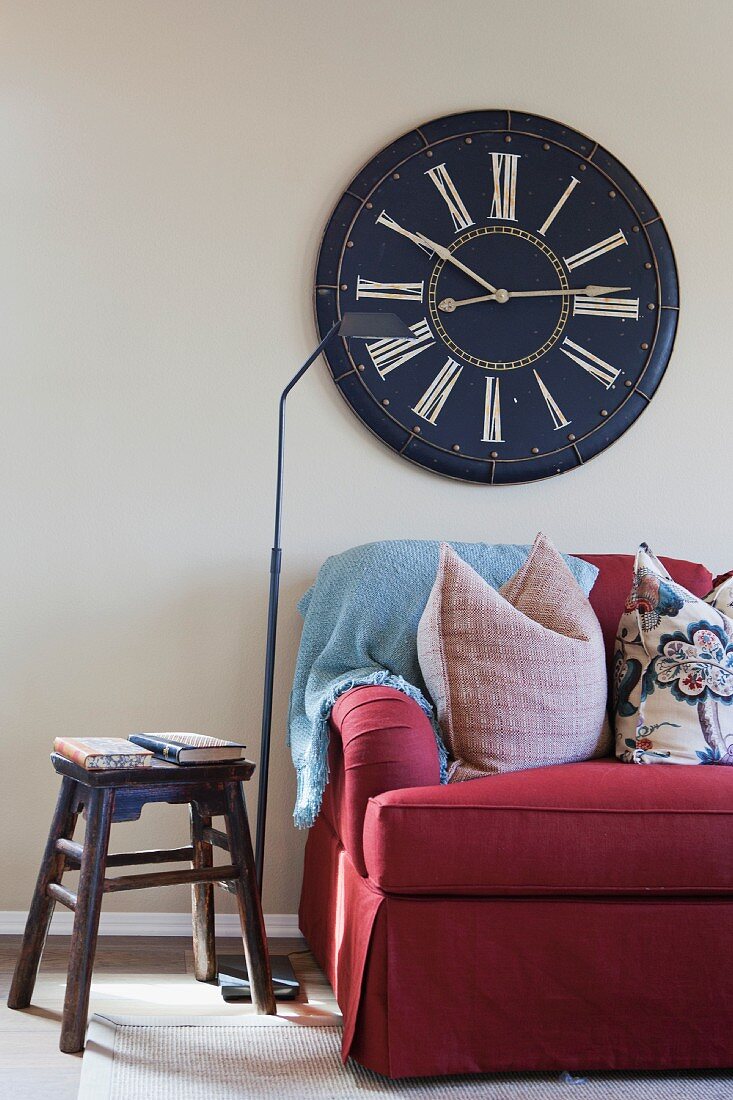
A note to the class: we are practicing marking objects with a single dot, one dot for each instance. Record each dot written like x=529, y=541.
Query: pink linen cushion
x=518, y=676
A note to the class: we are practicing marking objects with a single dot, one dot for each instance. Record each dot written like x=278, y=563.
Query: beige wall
x=166, y=169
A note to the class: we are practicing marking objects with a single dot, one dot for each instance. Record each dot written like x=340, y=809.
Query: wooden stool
x=119, y=795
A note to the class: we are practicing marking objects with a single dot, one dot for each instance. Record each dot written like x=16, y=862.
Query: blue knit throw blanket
x=360, y=627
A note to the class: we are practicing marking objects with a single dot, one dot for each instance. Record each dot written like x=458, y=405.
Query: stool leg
x=41, y=909
x=202, y=901
x=248, y=901
x=86, y=921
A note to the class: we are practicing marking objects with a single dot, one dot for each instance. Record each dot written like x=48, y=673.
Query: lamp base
x=234, y=980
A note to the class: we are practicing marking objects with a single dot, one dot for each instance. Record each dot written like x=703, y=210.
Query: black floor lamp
x=352, y=326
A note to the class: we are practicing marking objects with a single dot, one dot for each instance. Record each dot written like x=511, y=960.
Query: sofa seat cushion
x=597, y=827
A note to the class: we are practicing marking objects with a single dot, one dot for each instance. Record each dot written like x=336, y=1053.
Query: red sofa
x=576, y=917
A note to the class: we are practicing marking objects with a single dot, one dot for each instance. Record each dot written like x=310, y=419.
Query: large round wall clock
x=537, y=279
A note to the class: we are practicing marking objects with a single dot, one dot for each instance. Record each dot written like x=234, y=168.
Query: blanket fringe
x=312, y=770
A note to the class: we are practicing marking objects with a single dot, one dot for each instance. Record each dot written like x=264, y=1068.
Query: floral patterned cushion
x=721, y=596
x=673, y=671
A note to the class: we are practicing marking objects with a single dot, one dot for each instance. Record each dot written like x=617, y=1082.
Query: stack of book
x=139, y=750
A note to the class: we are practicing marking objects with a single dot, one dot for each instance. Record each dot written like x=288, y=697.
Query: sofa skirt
x=447, y=985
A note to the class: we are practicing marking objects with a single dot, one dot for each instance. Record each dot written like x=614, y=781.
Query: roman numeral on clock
x=436, y=395
x=595, y=250
x=492, y=413
x=559, y=205
x=597, y=368
x=583, y=306
x=440, y=177
x=367, y=288
x=558, y=419
x=390, y=223
x=388, y=354
x=504, y=202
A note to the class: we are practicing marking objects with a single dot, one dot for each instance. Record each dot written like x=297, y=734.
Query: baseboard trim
x=279, y=925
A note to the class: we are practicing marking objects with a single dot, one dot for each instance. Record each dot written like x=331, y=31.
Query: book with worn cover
x=189, y=748
x=102, y=752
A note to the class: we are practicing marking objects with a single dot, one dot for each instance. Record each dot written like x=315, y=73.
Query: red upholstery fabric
x=439, y=985
x=461, y=985
x=431, y=983
x=600, y=827
x=613, y=585
x=337, y=910
x=386, y=741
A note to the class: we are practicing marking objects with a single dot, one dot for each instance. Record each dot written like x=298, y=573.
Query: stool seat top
x=158, y=773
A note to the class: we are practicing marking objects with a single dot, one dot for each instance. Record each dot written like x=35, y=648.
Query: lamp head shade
x=373, y=326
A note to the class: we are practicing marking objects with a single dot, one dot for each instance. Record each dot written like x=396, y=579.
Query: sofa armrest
x=384, y=741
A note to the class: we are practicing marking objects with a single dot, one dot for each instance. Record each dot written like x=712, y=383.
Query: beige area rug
x=224, y=1058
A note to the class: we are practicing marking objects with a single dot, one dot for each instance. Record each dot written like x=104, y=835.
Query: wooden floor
x=132, y=975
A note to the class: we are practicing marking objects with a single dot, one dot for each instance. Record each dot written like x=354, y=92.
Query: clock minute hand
x=589, y=291
x=447, y=255
x=449, y=304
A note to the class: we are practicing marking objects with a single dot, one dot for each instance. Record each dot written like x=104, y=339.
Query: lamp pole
x=233, y=977
x=270, y=646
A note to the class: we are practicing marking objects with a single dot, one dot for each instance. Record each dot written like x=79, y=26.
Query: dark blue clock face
x=536, y=277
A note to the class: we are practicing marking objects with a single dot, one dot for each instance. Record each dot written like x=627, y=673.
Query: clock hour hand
x=447, y=255
x=449, y=304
